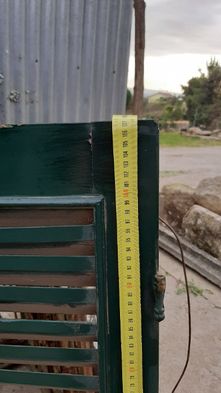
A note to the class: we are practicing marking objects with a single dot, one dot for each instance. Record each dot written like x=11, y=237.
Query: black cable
x=188, y=303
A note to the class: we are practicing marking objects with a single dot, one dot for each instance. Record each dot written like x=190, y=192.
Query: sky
x=181, y=37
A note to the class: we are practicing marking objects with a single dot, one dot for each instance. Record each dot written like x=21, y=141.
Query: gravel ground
x=189, y=165
x=204, y=371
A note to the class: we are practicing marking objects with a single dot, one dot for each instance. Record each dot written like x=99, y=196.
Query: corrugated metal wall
x=63, y=60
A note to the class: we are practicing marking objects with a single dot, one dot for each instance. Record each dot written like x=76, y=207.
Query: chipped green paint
x=56, y=296
x=16, y=353
x=51, y=234
x=65, y=381
x=48, y=328
x=46, y=264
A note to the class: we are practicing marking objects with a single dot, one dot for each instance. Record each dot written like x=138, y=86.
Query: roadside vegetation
x=193, y=289
x=197, y=106
x=175, y=139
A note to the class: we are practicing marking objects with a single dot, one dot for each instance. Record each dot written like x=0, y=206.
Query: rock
x=216, y=132
x=203, y=228
x=199, y=131
x=194, y=130
x=176, y=200
x=208, y=194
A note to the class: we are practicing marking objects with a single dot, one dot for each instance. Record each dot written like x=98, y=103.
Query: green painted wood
x=65, y=381
x=45, y=160
x=54, y=160
x=55, y=296
x=148, y=175
x=148, y=186
x=103, y=178
x=50, y=328
x=102, y=284
x=72, y=200
x=60, y=234
x=53, y=264
x=18, y=353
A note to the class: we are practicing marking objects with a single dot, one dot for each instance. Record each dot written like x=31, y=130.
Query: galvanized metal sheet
x=63, y=60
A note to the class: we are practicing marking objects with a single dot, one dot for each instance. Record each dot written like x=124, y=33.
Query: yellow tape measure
x=125, y=136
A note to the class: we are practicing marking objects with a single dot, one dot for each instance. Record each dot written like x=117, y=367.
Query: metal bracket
x=159, y=292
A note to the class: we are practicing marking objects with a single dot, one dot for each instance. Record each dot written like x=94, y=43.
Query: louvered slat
x=62, y=234
x=18, y=354
x=44, y=329
x=54, y=264
x=55, y=296
x=65, y=381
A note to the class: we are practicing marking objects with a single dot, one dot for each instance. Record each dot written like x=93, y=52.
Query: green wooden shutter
x=58, y=254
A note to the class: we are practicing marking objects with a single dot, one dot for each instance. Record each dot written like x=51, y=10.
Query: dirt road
x=189, y=165
x=204, y=371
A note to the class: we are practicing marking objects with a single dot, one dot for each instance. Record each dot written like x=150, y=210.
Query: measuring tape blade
x=125, y=137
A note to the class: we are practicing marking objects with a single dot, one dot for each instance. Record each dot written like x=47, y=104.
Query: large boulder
x=199, y=131
x=176, y=200
x=208, y=194
x=194, y=130
x=203, y=228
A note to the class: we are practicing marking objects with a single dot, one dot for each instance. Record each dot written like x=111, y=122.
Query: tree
x=203, y=97
x=165, y=110
x=139, y=7
x=195, y=95
x=129, y=99
x=173, y=110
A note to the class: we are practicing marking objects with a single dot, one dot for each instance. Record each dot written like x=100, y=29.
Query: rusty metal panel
x=63, y=61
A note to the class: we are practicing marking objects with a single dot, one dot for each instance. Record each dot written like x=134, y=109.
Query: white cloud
x=181, y=37
x=169, y=72
x=183, y=26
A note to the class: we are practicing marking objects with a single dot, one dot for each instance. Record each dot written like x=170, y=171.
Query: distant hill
x=151, y=92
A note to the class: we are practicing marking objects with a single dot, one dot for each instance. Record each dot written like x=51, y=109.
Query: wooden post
x=139, y=7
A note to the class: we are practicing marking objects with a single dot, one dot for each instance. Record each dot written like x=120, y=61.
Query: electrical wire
x=188, y=304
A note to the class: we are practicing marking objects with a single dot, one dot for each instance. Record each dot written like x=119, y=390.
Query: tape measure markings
x=125, y=137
